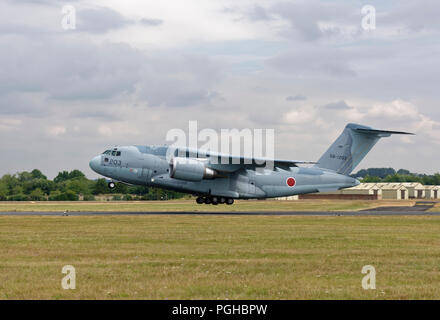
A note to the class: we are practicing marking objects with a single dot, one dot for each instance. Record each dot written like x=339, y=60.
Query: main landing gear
x=214, y=200
x=111, y=185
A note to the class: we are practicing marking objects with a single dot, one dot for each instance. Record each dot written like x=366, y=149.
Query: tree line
x=72, y=186
x=391, y=175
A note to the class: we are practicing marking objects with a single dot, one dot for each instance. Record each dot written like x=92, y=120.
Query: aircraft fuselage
x=148, y=166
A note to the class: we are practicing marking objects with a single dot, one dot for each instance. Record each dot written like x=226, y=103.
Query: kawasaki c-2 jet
x=214, y=182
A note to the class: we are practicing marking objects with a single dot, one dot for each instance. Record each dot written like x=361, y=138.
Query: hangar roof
x=391, y=186
x=366, y=186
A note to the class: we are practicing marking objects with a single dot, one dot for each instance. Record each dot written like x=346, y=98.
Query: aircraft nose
x=94, y=163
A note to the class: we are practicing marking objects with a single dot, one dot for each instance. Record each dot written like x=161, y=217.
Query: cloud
x=100, y=20
x=9, y=124
x=179, y=81
x=151, y=22
x=307, y=62
x=296, y=98
x=258, y=13
x=412, y=17
x=397, y=109
x=315, y=20
x=56, y=131
x=300, y=116
x=73, y=69
x=340, y=105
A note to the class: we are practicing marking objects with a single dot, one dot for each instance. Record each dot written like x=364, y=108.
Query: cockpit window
x=112, y=153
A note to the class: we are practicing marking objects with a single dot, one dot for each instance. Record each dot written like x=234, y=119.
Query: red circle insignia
x=291, y=182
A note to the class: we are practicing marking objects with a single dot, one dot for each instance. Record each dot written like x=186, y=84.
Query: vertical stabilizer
x=351, y=147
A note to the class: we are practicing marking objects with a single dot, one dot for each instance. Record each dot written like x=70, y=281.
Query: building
x=415, y=189
x=432, y=192
x=393, y=191
x=377, y=191
x=365, y=189
x=288, y=198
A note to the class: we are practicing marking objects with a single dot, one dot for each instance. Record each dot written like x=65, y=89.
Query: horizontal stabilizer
x=382, y=133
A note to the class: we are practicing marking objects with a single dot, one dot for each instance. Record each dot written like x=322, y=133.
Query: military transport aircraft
x=215, y=182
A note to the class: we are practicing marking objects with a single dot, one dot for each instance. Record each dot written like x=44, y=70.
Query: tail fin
x=351, y=147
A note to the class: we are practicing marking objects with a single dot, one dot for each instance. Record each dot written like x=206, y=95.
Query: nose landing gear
x=214, y=200
x=111, y=185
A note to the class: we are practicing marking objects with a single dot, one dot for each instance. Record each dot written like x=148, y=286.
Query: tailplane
x=351, y=147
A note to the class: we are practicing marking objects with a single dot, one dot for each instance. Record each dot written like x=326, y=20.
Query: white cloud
x=300, y=116
x=9, y=124
x=56, y=131
x=105, y=130
x=395, y=109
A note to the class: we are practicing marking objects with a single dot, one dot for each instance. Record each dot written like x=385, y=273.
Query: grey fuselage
x=148, y=166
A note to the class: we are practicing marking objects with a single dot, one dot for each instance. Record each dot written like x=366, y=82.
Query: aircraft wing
x=231, y=163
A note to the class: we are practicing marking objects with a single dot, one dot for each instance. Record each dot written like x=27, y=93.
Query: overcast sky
x=132, y=70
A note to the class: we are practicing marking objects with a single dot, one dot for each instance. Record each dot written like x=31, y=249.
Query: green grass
x=190, y=205
x=219, y=257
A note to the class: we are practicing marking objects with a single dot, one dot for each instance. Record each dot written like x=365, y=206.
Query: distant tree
x=127, y=197
x=37, y=195
x=369, y=179
x=19, y=197
x=45, y=185
x=78, y=185
x=75, y=174
x=401, y=178
x=3, y=191
x=11, y=182
x=100, y=187
x=61, y=177
x=68, y=195
x=17, y=189
x=89, y=197
x=24, y=176
x=37, y=174
x=121, y=188
x=375, y=172
x=138, y=190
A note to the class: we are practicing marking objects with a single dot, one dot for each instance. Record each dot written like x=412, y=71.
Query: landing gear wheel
x=200, y=200
x=214, y=200
x=111, y=185
x=222, y=200
x=229, y=201
x=207, y=200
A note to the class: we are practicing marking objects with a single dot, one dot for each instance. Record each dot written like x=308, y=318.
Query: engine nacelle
x=190, y=170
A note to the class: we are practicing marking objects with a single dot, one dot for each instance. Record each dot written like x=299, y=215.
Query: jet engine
x=190, y=170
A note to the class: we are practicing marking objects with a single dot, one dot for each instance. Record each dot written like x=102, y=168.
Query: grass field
x=190, y=205
x=219, y=257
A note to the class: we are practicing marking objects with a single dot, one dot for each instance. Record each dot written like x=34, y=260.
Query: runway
x=231, y=213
